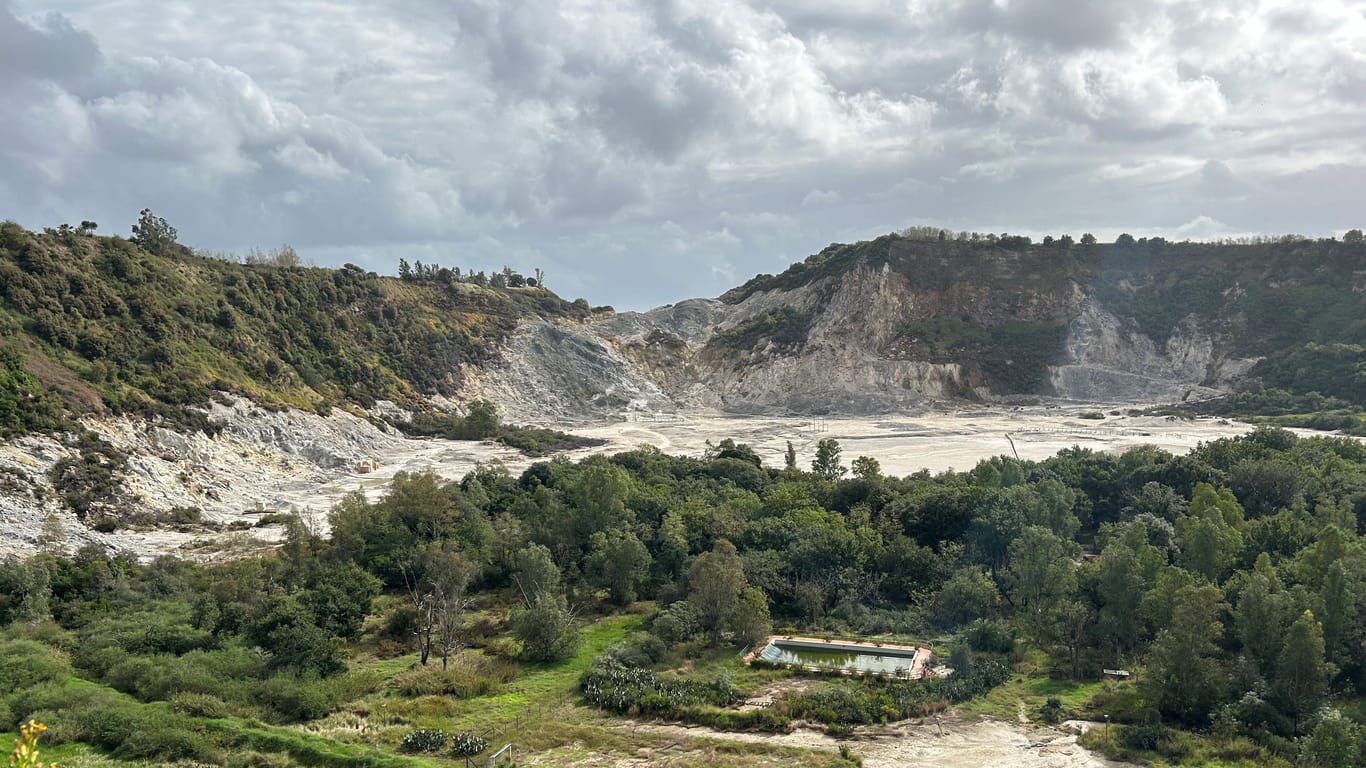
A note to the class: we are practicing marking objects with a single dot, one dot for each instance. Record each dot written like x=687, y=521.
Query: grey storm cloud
x=648, y=150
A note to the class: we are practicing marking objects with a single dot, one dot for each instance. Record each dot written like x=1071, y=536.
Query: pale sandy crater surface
x=901, y=444
x=936, y=441
x=258, y=469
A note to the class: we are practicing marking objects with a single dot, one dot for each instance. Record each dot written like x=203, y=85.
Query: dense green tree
x=1054, y=507
x=749, y=619
x=1261, y=616
x=1185, y=678
x=716, y=581
x=1158, y=500
x=1158, y=604
x=535, y=573
x=1039, y=577
x=1301, y=671
x=1075, y=623
x=1209, y=537
x=618, y=562
x=288, y=632
x=546, y=629
x=152, y=233
x=596, y=501
x=340, y=599
x=1340, y=613
x=25, y=590
x=867, y=469
x=827, y=465
x=970, y=593
x=993, y=529
x=1335, y=742
x=481, y=420
x=1126, y=570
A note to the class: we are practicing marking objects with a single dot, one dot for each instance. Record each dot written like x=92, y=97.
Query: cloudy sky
x=643, y=152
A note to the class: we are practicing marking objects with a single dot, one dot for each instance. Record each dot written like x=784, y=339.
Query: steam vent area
x=847, y=656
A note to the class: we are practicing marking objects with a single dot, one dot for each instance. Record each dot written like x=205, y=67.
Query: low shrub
x=765, y=719
x=990, y=636
x=199, y=705
x=166, y=742
x=25, y=663
x=503, y=648
x=468, y=676
x=1146, y=736
x=292, y=699
x=848, y=755
x=609, y=684
x=1051, y=711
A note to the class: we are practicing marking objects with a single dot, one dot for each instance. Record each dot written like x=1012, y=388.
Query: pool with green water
x=835, y=656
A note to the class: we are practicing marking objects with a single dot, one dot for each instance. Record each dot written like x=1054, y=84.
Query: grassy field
x=538, y=712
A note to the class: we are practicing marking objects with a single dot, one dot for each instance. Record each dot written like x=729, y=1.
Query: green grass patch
x=1005, y=700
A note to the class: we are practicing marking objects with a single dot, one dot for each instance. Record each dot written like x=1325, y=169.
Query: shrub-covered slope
x=92, y=324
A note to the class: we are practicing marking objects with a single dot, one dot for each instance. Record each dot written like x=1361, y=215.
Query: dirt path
x=953, y=743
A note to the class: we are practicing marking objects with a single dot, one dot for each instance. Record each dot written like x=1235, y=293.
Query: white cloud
x=821, y=197
x=583, y=134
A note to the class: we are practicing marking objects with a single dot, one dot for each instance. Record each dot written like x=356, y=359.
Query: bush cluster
x=616, y=687
x=424, y=740
x=873, y=699
x=465, y=744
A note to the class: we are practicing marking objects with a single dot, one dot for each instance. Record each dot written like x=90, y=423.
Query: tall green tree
x=1209, y=537
x=827, y=465
x=1185, y=678
x=1261, y=615
x=1340, y=614
x=1301, y=671
x=544, y=624
x=535, y=573
x=970, y=593
x=716, y=581
x=153, y=234
x=618, y=562
x=546, y=629
x=1039, y=577
x=1125, y=571
x=749, y=620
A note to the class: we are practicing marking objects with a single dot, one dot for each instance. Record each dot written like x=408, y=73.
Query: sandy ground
x=933, y=441
x=250, y=478
x=901, y=444
x=952, y=743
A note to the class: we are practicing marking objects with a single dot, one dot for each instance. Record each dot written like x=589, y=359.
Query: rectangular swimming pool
x=845, y=656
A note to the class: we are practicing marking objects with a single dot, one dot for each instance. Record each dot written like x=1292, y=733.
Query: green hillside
x=99, y=324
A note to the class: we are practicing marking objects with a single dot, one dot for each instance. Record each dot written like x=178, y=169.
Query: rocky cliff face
x=895, y=327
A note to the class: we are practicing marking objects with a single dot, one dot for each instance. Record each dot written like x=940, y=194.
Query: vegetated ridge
x=121, y=360
x=99, y=324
